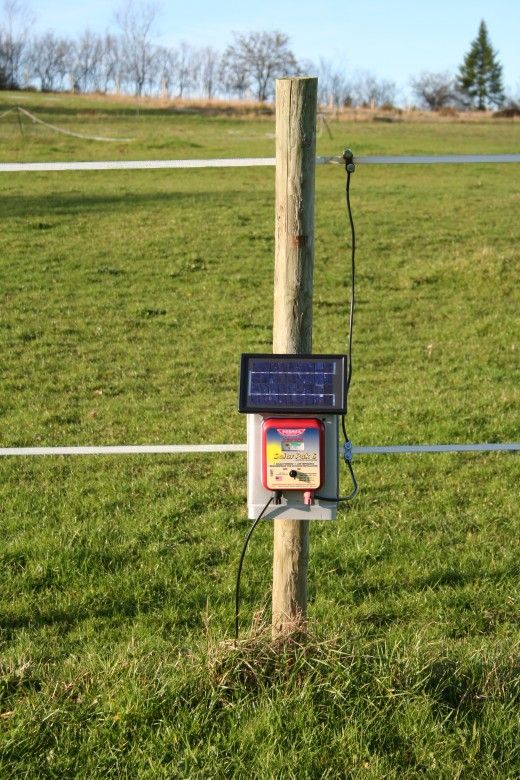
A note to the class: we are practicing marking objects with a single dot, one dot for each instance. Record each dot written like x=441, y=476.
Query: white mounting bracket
x=291, y=506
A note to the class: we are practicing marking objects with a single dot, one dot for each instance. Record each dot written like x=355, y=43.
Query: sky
x=394, y=39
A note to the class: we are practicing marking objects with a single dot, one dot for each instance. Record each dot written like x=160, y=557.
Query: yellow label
x=292, y=459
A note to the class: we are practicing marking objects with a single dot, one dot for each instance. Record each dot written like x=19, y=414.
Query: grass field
x=126, y=300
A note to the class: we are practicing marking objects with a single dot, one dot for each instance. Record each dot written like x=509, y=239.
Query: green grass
x=125, y=301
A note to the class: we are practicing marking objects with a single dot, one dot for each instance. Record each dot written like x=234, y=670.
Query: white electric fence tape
x=249, y=162
x=403, y=449
x=178, y=449
x=424, y=159
x=68, y=132
x=133, y=165
x=131, y=449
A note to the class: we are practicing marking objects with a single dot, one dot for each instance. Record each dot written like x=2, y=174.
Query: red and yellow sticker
x=292, y=454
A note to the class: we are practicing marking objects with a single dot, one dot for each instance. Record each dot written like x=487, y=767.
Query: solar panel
x=295, y=383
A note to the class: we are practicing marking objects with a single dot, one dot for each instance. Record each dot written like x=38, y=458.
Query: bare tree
x=50, y=60
x=167, y=69
x=87, y=61
x=434, y=90
x=14, y=42
x=110, y=66
x=178, y=70
x=209, y=69
x=334, y=88
x=234, y=77
x=136, y=22
x=260, y=58
x=187, y=69
x=369, y=91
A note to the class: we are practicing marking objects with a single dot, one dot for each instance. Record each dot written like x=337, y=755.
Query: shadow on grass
x=439, y=579
x=77, y=202
x=116, y=605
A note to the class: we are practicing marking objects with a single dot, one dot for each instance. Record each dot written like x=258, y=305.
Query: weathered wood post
x=296, y=100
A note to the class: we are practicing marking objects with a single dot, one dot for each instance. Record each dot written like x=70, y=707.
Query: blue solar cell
x=285, y=382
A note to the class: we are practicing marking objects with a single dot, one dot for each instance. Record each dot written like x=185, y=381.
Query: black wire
x=242, y=556
x=350, y=496
x=352, y=280
x=352, y=301
x=344, y=427
x=337, y=499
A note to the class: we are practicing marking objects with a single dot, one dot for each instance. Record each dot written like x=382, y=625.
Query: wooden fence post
x=296, y=100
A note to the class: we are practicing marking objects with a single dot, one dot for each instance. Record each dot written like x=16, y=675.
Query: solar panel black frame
x=245, y=403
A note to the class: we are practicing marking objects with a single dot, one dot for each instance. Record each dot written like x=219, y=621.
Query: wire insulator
x=347, y=451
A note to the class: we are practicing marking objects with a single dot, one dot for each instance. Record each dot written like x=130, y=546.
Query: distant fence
x=245, y=162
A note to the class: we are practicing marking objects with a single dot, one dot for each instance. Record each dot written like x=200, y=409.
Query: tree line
x=127, y=60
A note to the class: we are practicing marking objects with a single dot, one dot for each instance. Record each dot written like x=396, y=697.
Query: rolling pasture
x=126, y=298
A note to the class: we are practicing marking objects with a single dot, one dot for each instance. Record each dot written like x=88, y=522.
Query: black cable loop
x=350, y=168
x=352, y=280
x=338, y=499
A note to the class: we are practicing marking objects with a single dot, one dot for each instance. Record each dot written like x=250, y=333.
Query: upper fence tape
x=249, y=162
x=132, y=165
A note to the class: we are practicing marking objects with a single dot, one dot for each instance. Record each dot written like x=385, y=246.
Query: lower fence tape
x=178, y=449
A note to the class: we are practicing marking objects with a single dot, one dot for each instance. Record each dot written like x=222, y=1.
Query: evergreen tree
x=480, y=75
